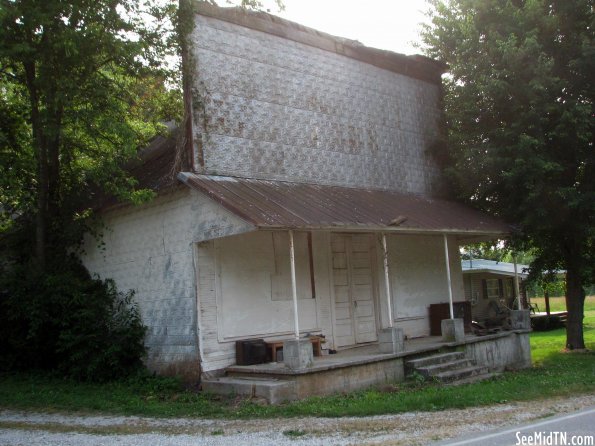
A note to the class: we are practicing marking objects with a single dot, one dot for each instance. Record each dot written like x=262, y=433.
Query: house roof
x=280, y=204
x=493, y=267
x=154, y=168
x=415, y=66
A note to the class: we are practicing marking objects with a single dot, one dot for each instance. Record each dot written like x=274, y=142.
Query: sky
x=386, y=24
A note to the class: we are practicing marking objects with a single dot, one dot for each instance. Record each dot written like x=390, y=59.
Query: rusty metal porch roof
x=271, y=204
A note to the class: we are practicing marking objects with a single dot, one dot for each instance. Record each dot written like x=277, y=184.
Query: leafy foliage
x=519, y=108
x=84, y=86
x=67, y=322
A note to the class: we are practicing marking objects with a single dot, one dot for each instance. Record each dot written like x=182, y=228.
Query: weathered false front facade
x=292, y=134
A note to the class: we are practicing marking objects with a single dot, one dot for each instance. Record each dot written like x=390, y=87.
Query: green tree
x=519, y=110
x=75, y=79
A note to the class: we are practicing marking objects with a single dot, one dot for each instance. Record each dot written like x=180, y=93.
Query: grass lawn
x=555, y=373
x=556, y=303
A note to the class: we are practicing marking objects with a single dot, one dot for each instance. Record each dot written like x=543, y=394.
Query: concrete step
x=473, y=379
x=459, y=374
x=274, y=391
x=432, y=370
x=434, y=359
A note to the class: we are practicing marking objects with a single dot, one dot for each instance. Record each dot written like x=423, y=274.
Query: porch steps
x=457, y=374
x=435, y=369
x=439, y=358
x=273, y=390
x=449, y=368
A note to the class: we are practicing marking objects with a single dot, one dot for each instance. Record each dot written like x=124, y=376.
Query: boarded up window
x=249, y=267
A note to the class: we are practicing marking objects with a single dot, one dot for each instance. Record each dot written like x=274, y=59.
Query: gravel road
x=413, y=428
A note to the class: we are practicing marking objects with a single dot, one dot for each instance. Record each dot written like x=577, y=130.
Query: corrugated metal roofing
x=493, y=266
x=280, y=204
x=483, y=265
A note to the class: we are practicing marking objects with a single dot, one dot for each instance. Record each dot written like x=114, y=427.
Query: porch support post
x=452, y=313
x=296, y=323
x=519, y=319
x=389, y=305
x=391, y=340
x=297, y=353
x=453, y=330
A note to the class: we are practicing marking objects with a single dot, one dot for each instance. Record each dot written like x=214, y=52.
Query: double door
x=353, y=282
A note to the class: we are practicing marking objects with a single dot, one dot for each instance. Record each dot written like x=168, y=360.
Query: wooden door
x=355, y=316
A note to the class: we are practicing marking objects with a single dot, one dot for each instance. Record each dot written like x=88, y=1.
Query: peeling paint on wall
x=148, y=248
x=272, y=108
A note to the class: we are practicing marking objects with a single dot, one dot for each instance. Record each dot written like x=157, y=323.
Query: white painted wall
x=149, y=249
x=254, y=285
x=417, y=270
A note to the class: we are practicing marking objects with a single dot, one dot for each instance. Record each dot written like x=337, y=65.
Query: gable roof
x=280, y=204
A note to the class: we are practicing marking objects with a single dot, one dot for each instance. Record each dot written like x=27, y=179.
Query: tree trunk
x=575, y=304
x=42, y=167
x=42, y=206
x=546, y=297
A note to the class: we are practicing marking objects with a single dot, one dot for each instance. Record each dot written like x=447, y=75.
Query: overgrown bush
x=65, y=321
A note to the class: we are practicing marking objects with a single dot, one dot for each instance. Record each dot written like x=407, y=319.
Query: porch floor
x=358, y=355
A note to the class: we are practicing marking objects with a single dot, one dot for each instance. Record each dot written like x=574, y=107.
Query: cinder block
x=453, y=330
x=298, y=354
x=391, y=340
x=520, y=319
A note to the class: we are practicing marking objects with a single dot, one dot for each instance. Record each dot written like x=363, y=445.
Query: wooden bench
x=274, y=345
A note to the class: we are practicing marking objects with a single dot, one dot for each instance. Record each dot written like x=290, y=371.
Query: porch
x=364, y=366
x=356, y=266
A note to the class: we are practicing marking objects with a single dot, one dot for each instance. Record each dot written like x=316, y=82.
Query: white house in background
x=489, y=283
x=292, y=133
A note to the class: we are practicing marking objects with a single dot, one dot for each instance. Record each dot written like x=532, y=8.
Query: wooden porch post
x=387, y=281
x=452, y=313
x=294, y=286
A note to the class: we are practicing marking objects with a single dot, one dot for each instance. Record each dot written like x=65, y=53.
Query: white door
x=355, y=318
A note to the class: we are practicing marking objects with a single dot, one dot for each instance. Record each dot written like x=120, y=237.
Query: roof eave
x=387, y=229
x=493, y=271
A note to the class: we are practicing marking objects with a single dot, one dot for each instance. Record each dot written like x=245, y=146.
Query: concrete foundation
x=520, y=319
x=273, y=391
x=453, y=330
x=298, y=354
x=331, y=374
x=391, y=340
x=322, y=379
x=510, y=351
